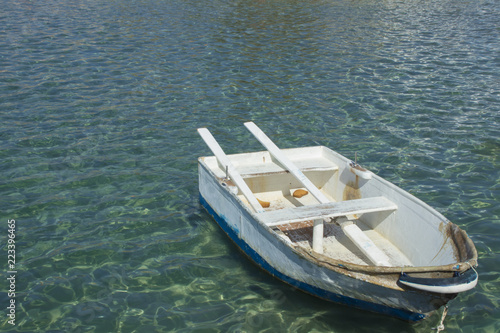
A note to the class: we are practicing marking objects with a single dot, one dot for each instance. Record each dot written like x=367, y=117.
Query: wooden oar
x=231, y=170
x=285, y=161
x=352, y=231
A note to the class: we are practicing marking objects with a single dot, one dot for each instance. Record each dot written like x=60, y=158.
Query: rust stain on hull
x=352, y=191
x=463, y=248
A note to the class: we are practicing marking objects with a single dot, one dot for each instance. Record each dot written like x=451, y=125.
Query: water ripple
x=99, y=104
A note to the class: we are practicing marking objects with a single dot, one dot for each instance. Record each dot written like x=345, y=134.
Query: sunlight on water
x=99, y=105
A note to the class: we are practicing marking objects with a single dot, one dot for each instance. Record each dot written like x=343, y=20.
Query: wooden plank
x=233, y=173
x=365, y=244
x=258, y=170
x=327, y=210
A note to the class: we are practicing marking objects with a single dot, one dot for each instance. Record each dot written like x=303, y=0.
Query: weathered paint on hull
x=310, y=289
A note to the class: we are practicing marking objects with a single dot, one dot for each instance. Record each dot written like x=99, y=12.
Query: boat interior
x=274, y=187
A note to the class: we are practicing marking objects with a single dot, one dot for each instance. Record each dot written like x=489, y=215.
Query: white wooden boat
x=354, y=238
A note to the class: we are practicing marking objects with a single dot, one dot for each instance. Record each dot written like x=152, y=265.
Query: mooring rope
x=440, y=327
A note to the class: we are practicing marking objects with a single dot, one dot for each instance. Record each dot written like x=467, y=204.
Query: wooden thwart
x=327, y=210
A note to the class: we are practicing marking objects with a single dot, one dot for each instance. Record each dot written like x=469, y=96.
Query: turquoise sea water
x=99, y=105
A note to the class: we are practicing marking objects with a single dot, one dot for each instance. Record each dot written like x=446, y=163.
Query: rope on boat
x=440, y=327
x=467, y=262
x=328, y=262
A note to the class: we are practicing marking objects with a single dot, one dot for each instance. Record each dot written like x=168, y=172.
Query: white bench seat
x=327, y=210
x=309, y=164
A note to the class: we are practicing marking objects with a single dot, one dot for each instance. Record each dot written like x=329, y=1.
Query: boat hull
x=278, y=258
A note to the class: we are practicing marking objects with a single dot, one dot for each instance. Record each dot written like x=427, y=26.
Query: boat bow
x=456, y=284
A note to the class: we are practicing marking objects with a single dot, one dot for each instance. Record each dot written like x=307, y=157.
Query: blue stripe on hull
x=310, y=289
